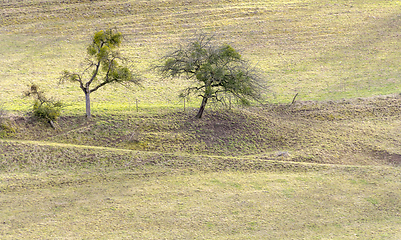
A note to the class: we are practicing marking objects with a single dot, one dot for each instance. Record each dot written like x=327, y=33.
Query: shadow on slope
x=359, y=131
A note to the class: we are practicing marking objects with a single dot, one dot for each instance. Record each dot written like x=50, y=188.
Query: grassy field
x=168, y=176
x=336, y=203
x=323, y=50
x=325, y=167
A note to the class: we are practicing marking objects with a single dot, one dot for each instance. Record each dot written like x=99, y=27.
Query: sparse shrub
x=6, y=127
x=44, y=108
x=47, y=110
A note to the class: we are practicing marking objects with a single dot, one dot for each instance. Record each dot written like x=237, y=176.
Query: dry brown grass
x=342, y=203
x=158, y=173
x=360, y=131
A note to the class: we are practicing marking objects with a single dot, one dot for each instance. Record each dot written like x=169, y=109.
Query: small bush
x=6, y=127
x=48, y=110
x=43, y=108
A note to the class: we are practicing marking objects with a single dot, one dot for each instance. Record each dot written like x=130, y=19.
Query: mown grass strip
x=321, y=50
x=117, y=204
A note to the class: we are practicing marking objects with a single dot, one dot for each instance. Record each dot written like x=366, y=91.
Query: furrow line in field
x=254, y=162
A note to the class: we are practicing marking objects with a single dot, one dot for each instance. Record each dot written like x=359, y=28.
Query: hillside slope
x=359, y=131
x=323, y=50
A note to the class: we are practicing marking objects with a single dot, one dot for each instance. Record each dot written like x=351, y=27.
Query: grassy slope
x=327, y=204
x=360, y=131
x=179, y=188
x=321, y=49
x=219, y=177
x=54, y=190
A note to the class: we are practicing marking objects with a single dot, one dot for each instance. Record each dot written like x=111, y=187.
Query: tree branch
x=95, y=72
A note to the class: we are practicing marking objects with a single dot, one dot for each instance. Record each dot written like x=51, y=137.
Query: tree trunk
x=88, y=104
x=52, y=124
x=202, y=108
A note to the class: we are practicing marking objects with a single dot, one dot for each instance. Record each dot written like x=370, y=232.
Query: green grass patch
x=319, y=49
